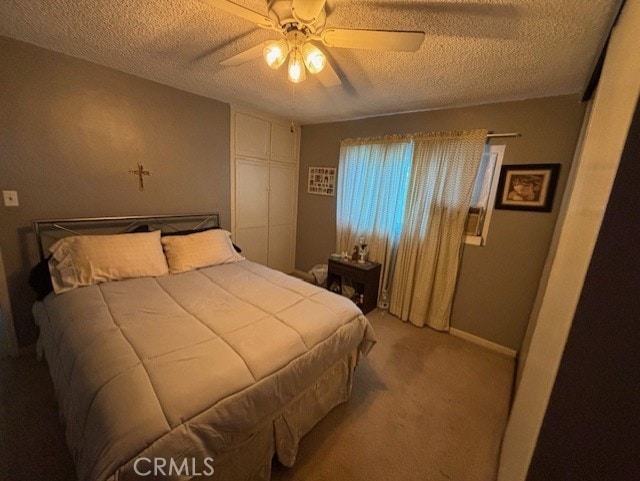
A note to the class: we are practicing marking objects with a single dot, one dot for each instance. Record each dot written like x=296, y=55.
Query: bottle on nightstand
x=362, y=253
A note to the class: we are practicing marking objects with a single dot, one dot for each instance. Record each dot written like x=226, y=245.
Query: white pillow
x=202, y=249
x=89, y=259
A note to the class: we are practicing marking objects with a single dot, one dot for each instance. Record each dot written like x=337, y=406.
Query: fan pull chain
x=293, y=105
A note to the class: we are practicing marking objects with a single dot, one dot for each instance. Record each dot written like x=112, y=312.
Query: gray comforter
x=190, y=364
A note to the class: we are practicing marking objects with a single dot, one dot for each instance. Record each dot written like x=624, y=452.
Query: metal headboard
x=50, y=230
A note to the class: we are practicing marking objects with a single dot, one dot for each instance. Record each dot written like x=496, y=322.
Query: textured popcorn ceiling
x=475, y=52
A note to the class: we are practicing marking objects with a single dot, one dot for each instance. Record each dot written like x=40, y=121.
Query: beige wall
x=498, y=282
x=70, y=131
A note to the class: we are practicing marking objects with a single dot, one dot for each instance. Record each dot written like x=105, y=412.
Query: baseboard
x=483, y=342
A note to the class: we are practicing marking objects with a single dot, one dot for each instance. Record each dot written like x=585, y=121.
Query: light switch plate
x=10, y=198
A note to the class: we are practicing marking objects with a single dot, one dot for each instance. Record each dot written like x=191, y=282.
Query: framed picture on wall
x=322, y=181
x=527, y=187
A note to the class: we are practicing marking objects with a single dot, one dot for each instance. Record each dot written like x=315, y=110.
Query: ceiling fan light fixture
x=276, y=53
x=296, y=70
x=314, y=59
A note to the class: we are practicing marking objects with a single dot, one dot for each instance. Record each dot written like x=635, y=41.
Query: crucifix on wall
x=140, y=172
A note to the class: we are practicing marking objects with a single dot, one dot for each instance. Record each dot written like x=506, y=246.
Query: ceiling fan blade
x=246, y=56
x=372, y=39
x=243, y=12
x=307, y=11
x=328, y=76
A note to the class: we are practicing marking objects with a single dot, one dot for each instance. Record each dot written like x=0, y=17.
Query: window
x=483, y=197
x=373, y=181
x=374, y=178
x=438, y=179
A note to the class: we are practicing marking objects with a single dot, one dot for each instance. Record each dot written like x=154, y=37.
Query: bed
x=204, y=373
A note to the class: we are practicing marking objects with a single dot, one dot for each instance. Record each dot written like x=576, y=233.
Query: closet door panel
x=252, y=209
x=282, y=209
x=252, y=193
x=283, y=143
x=253, y=242
x=281, y=247
x=252, y=136
x=282, y=194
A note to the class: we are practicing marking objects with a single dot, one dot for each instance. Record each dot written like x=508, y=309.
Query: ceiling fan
x=301, y=24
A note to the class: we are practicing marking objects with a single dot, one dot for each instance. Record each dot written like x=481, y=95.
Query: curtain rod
x=490, y=135
x=509, y=134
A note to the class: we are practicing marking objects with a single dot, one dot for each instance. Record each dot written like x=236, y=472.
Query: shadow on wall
x=25, y=328
x=4, y=341
x=4, y=318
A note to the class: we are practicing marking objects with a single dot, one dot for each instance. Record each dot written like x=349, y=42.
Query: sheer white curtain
x=442, y=178
x=372, y=187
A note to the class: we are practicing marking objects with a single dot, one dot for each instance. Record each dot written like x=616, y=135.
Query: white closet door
x=252, y=136
x=282, y=211
x=283, y=143
x=252, y=209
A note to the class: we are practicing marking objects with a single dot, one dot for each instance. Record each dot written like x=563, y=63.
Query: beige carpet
x=426, y=406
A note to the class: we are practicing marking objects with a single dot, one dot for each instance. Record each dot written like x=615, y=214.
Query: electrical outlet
x=10, y=198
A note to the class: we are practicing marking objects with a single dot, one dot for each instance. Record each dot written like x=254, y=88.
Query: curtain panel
x=371, y=192
x=443, y=172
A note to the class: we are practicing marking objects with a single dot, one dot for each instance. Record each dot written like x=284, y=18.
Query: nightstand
x=365, y=279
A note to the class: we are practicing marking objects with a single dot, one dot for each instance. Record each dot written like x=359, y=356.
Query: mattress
x=193, y=365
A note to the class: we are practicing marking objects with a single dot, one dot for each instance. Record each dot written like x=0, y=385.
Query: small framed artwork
x=527, y=187
x=322, y=181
